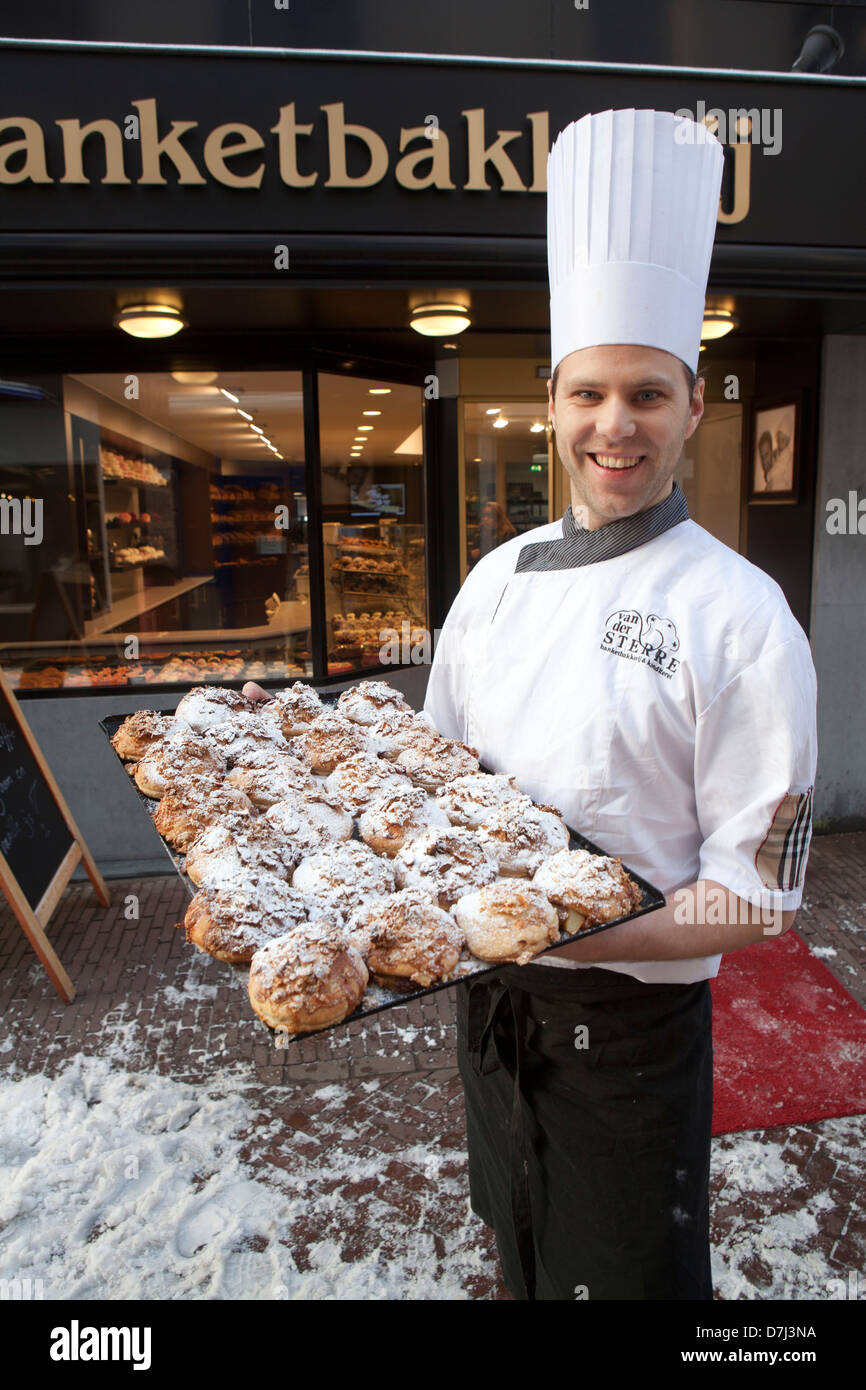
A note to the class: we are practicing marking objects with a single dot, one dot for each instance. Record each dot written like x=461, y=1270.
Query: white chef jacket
x=655, y=687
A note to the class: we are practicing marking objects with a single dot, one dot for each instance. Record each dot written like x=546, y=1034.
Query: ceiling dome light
x=371, y=412
x=718, y=322
x=438, y=320
x=536, y=428
x=500, y=423
x=194, y=378
x=379, y=391
x=150, y=320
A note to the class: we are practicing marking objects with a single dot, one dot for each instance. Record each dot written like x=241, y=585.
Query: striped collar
x=581, y=547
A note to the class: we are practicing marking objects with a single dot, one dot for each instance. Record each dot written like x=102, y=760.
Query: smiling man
x=628, y=668
x=621, y=416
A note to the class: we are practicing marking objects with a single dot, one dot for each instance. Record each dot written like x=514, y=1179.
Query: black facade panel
x=754, y=34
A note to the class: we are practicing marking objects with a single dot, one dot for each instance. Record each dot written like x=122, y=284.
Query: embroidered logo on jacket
x=651, y=640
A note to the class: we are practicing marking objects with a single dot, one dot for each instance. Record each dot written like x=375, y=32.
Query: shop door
x=507, y=473
x=374, y=526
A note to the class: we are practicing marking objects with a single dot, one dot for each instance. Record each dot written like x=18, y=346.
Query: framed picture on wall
x=774, y=464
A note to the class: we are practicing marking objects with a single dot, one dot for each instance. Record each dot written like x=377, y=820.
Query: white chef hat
x=632, y=201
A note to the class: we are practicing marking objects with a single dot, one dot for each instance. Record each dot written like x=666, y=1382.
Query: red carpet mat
x=790, y=1042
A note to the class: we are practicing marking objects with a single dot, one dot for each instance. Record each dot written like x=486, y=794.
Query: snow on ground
x=124, y=1185
x=129, y=1184
x=769, y=1250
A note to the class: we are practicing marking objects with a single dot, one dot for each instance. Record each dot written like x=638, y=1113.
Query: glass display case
x=373, y=534
x=177, y=546
x=376, y=589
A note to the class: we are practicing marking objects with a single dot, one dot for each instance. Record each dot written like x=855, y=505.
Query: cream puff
x=509, y=920
x=311, y=978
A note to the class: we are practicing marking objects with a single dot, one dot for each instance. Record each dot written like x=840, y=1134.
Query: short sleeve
x=463, y=641
x=447, y=686
x=755, y=760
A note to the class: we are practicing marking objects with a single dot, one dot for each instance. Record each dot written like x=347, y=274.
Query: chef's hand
x=254, y=692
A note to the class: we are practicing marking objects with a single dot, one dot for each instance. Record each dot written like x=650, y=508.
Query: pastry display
x=469, y=800
x=365, y=702
x=307, y=979
x=356, y=781
x=331, y=844
x=406, y=938
x=236, y=845
x=236, y=738
x=396, y=815
x=507, y=921
x=131, y=468
x=329, y=739
x=181, y=754
x=295, y=708
x=397, y=729
x=208, y=705
x=521, y=835
x=233, y=922
x=269, y=774
x=587, y=888
x=364, y=545
x=154, y=667
x=445, y=863
x=369, y=574
x=188, y=808
x=368, y=631
x=432, y=762
x=140, y=731
x=310, y=822
x=340, y=876
x=125, y=555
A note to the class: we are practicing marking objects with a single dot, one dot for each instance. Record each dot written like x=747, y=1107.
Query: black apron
x=588, y=1110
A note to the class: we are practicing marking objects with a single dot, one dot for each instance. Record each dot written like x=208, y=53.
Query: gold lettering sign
x=421, y=160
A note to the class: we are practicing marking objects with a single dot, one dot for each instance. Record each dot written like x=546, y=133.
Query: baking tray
x=377, y=997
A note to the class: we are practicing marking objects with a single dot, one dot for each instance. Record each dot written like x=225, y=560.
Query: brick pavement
x=385, y=1096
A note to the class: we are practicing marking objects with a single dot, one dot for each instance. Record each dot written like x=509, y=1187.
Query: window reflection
x=176, y=548
x=372, y=456
x=506, y=471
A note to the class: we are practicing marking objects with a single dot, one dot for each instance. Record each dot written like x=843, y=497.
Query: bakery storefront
x=225, y=452
x=175, y=541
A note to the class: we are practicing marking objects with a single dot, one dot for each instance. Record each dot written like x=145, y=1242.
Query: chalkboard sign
x=34, y=836
x=39, y=841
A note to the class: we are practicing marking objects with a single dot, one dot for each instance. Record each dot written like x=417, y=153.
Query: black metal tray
x=377, y=997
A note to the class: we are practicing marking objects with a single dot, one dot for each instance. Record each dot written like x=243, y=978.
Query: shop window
x=175, y=530
x=710, y=472
x=373, y=524
x=506, y=470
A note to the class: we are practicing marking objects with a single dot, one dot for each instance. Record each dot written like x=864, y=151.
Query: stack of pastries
x=339, y=846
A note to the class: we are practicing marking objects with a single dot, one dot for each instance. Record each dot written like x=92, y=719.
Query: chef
x=628, y=668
